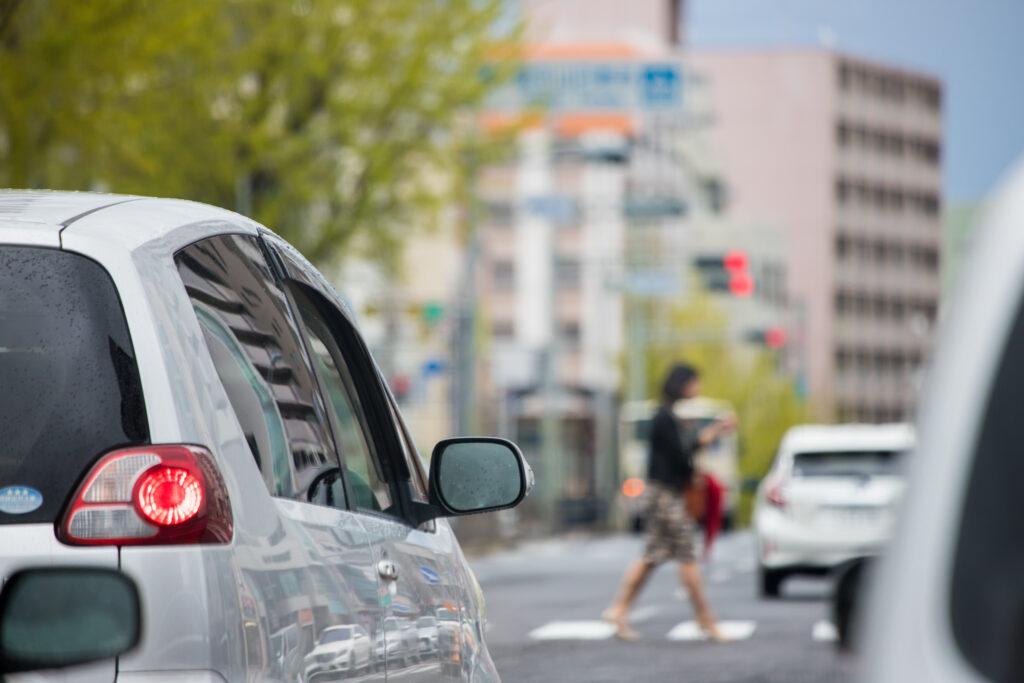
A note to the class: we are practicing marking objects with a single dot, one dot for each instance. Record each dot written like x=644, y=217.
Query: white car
x=427, y=627
x=830, y=496
x=948, y=601
x=340, y=649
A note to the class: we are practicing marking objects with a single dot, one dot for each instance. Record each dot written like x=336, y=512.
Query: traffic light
x=727, y=272
x=773, y=337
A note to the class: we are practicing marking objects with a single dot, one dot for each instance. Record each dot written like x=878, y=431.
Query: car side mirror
x=55, y=617
x=477, y=474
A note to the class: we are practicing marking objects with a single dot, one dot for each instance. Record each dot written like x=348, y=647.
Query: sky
x=975, y=46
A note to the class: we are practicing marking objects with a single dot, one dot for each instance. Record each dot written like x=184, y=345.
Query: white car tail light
x=775, y=495
x=150, y=495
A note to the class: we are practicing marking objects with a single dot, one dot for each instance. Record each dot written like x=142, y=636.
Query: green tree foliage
x=341, y=124
x=765, y=400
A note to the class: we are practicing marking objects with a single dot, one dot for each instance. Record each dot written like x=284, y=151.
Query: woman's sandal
x=709, y=627
x=622, y=631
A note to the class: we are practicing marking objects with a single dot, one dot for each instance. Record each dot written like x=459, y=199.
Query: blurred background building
x=846, y=155
x=798, y=191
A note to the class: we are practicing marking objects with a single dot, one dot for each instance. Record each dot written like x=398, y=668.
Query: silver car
x=187, y=399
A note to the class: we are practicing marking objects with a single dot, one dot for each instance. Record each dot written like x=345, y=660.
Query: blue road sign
x=627, y=86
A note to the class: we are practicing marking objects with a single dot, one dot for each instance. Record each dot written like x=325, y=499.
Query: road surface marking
x=644, y=613
x=720, y=575
x=733, y=630
x=746, y=565
x=825, y=632
x=573, y=630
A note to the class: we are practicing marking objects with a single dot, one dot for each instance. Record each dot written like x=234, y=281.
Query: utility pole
x=464, y=367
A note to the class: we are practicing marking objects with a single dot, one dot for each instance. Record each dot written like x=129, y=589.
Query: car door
x=420, y=568
x=310, y=566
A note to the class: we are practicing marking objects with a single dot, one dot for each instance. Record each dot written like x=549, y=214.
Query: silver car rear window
x=70, y=383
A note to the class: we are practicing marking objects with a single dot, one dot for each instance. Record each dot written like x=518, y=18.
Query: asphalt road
x=544, y=600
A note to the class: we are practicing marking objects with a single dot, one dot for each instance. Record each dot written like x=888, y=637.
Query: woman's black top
x=671, y=450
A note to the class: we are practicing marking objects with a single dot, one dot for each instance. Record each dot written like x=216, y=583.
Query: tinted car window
x=260, y=360
x=70, y=382
x=334, y=635
x=846, y=463
x=411, y=455
x=987, y=598
x=366, y=479
x=252, y=401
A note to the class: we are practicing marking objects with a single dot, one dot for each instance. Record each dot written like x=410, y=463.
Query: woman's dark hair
x=676, y=380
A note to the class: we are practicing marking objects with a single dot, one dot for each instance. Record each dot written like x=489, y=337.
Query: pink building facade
x=844, y=156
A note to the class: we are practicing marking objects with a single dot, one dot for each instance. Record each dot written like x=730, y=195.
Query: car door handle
x=387, y=570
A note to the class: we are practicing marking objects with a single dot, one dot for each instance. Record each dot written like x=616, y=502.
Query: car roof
x=121, y=220
x=53, y=208
x=847, y=437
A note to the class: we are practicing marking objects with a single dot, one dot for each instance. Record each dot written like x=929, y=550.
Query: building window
x=845, y=76
x=842, y=247
x=899, y=309
x=570, y=332
x=503, y=275
x=843, y=135
x=896, y=144
x=880, y=252
x=842, y=302
x=503, y=329
x=567, y=273
x=842, y=191
x=896, y=199
x=879, y=307
x=500, y=214
x=878, y=196
x=879, y=141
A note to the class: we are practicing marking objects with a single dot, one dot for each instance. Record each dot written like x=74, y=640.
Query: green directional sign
x=432, y=312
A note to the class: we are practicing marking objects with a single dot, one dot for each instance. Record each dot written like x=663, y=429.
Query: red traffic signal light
x=741, y=284
x=727, y=272
x=775, y=337
x=735, y=261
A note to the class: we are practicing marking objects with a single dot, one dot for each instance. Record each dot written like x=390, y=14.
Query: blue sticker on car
x=18, y=500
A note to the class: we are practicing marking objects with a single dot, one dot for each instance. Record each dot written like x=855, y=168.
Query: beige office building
x=845, y=156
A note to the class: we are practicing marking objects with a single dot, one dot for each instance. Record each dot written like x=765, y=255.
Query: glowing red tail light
x=150, y=495
x=169, y=496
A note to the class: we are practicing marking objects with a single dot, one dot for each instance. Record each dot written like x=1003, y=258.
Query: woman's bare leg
x=633, y=581
x=689, y=576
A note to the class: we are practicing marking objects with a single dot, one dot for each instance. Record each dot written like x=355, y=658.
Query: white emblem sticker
x=18, y=500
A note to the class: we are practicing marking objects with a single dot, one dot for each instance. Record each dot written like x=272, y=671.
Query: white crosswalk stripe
x=573, y=630
x=645, y=613
x=733, y=630
x=595, y=629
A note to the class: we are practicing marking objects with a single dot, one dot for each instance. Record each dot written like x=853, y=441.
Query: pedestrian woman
x=670, y=529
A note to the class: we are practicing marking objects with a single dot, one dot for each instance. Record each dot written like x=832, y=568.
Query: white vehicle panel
x=912, y=637
x=29, y=233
